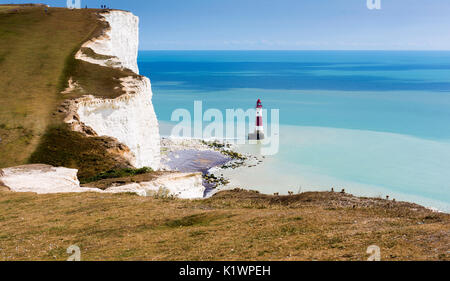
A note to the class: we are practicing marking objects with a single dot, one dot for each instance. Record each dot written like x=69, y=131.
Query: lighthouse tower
x=259, y=130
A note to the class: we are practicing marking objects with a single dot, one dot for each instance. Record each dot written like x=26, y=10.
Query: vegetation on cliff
x=37, y=59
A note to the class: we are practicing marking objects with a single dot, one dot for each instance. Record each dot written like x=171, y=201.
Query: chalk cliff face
x=130, y=118
x=129, y=122
x=120, y=42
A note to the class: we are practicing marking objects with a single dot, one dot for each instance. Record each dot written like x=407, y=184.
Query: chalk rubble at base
x=44, y=179
x=180, y=185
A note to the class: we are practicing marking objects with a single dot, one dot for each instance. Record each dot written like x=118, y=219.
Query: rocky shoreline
x=212, y=157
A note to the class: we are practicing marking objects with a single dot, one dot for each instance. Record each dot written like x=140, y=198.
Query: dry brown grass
x=7, y=8
x=233, y=225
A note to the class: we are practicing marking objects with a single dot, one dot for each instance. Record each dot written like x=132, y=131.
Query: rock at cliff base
x=42, y=179
x=45, y=179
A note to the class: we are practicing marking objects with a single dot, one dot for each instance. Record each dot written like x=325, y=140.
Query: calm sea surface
x=375, y=123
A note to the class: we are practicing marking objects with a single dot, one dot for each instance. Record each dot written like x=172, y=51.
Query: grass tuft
x=203, y=219
x=119, y=173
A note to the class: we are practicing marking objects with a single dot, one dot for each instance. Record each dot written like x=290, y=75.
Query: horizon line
x=301, y=50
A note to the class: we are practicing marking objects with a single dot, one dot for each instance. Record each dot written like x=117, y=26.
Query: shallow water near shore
x=363, y=163
x=374, y=123
x=189, y=160
x=192, y=161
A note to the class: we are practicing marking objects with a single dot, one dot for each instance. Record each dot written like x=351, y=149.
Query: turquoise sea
x=375, y=123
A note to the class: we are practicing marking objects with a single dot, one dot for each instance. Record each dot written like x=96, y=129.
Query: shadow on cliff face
x=61, y=147
x=35, y=51
x=32, y=102
x=37, y=57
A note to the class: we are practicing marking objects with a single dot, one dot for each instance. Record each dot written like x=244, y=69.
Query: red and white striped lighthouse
x=259, y=129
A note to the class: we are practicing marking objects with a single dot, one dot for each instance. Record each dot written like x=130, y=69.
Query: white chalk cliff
x=130, y=118
x=120, y=41
x=42, y=179
x=45, y=179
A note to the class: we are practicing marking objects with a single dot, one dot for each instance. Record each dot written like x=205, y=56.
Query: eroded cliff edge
x=105, y=124
x=105, y=120
x=130, y=118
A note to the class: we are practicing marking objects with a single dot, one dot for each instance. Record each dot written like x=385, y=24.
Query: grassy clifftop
x=233, y=225
x=37, y=51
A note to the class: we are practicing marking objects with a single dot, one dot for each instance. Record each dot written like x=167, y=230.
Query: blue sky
x=286, y=24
